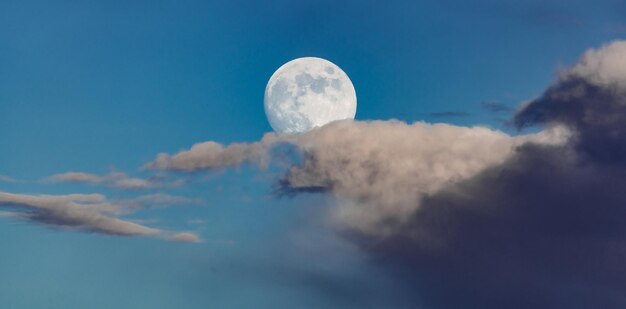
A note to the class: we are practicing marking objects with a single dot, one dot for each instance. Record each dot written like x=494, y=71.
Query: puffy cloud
x=85, y=212
x=381, y=170
x=590, y=99
x=377, y=169
x=544, y=229
x=604, y=67
x=114, y=179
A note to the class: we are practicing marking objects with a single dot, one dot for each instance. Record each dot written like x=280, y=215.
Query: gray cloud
x=590, y=99
x=544, y=229
x=496, y=107
x=84, y=212
x=114, y=179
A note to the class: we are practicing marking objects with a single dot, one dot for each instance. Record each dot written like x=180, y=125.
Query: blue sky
x=95, y=86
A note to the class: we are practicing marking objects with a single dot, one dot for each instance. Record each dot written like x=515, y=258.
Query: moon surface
x=306, y=93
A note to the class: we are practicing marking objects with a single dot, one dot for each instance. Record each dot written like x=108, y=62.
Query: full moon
x=306, y=93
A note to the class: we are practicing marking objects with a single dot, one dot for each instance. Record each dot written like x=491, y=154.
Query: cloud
x=380, y=170
x=4, y=178
x=114, y=179
x=211, y=155
x=496, y=107
x=84, y=212
x=544, y=229
x=605, y=67
x=196, y=222
x=185, y=237
x=376, y=169
x=161, y=200
x=539, y=231
x=590, y=99
x=472, y=217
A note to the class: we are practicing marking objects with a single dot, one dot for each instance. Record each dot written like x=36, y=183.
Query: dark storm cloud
x=545, y=229
x=542, y=230
x=590, y=98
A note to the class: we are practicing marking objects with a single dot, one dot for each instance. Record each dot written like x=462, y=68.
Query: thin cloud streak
x=83, y=212
x=118, y=180
x=7, y=179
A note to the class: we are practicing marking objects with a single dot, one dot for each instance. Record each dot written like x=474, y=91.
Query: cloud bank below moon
x=377, y=170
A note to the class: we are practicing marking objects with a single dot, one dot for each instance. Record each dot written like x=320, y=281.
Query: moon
x=308, y=92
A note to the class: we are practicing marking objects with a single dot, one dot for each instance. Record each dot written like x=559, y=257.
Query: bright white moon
x=308, y=92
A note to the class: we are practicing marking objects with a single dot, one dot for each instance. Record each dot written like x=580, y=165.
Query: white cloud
x=604, y=67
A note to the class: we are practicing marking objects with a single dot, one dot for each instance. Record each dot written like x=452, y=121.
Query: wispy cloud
x=161, y=200
x=448, y=114
x=4, y=178
x=614, y=28
x=196, y=222
x=114, y=179
x=496, y=107
x=84, y=212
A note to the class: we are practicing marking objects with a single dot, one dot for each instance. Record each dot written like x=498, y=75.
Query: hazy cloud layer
x=4, y=178
x=114, y=179
x=378, y=170
x=85, y=212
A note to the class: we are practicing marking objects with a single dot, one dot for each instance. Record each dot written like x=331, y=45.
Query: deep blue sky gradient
x=99, y=85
